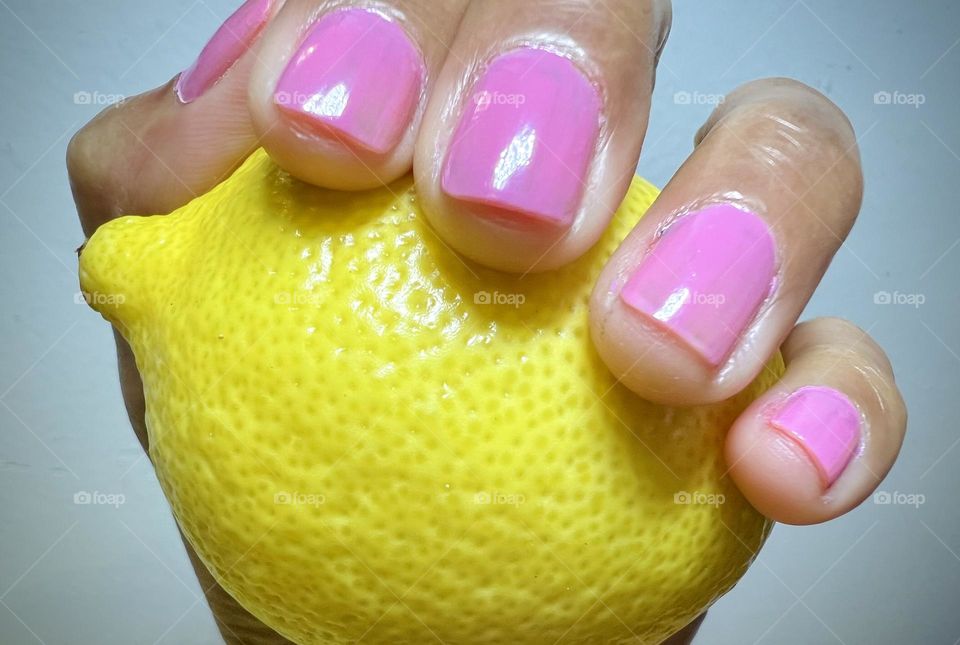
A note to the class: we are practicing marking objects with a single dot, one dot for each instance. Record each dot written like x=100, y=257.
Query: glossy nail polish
x=231, y=40
x=705, y=278
x=526, y=137
x=357, y=76
x=824, y=423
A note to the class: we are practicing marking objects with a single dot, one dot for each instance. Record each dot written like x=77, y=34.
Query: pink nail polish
x=825, y=424
x=705, y=278
x=357, y=75
x=226, y=46
x=526, y=137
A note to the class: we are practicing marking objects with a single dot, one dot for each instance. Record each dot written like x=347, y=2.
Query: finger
x=156, y=151
x=534, y=127
x=338, y=92
x=819, y=441
x=700, y=295
x=152, y=154
x=686, y=635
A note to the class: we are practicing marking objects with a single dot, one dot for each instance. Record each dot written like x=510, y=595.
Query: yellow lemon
x=368, y=438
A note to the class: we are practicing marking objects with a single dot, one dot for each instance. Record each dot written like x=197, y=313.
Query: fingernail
x=356, y=74
x=825, y=424
x=705, y=278
x=226, y=46
x=526, y=137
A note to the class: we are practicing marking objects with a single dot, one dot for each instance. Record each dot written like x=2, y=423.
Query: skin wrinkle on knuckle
x=796, y=143
x=789, y=126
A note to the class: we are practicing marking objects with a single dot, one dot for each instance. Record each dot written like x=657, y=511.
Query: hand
x=521, y=155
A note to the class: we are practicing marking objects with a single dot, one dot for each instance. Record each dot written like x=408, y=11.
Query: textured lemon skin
x=360, y=448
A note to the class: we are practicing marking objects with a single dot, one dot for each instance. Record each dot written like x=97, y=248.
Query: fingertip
x=509, y=180
x=325, y=106
x=821, y=440
x=646, y=352
x=775, y=473
x=532, y=134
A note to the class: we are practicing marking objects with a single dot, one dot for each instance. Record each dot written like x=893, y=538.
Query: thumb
x=152, y=153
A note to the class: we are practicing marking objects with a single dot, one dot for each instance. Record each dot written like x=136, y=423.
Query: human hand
x=779, y=155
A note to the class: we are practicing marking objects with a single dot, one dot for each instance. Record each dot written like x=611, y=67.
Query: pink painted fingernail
x=356, y=74
x=526, y=137
x=232, y=39
x=825, y=424
x=705, y=278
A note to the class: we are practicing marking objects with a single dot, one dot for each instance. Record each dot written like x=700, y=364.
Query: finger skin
x=150, y=155
x=597, y=59
x=686, y=635
x=752, y=219
x=153, y=153
x=774, y=471
x=327, y=156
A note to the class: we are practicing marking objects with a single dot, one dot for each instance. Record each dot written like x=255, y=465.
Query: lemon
x=368, y=438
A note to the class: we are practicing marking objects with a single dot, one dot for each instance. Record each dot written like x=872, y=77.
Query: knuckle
x=792, y=127
x=86, y=159
x=100, y=157
x=791, y=100
x=841, y=338
x=80, y=152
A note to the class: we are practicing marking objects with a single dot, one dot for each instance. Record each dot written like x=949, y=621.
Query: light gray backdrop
x=95, y=573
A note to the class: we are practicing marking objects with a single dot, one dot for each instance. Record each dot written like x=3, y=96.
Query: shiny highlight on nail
x=705, y=278
x=356, y=76
x=526, y=137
